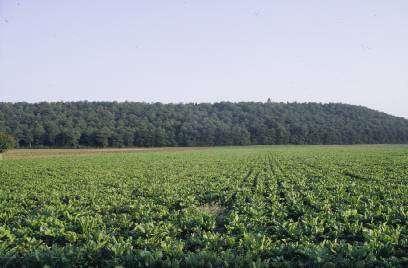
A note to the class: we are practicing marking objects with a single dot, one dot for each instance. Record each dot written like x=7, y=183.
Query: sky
x=345, y=51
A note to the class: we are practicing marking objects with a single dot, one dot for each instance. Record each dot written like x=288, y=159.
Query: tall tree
x=102, y=124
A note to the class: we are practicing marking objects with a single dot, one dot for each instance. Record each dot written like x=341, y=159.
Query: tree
x=103, y=124
x=51, y=130
x=6, y=142
x=38, y=134
x=102, y=137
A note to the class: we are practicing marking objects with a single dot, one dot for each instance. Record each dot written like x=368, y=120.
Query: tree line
x=127, y=124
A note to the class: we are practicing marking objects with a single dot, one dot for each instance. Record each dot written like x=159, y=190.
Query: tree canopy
x=125, y=124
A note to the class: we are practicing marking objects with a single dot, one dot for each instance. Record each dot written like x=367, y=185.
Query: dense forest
x=119, y=124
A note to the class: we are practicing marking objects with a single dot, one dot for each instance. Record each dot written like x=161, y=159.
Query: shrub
x=6, y=142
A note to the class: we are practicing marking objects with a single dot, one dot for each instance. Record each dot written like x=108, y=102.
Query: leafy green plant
x=254, y=206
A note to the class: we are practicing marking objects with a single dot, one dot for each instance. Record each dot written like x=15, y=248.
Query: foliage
x=248, y=206
x=112, y=124
x=7, y=142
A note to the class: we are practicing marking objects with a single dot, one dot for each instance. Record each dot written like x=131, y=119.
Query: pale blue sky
x=203, y=51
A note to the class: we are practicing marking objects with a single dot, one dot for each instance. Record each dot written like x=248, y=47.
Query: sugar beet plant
x=258, y=206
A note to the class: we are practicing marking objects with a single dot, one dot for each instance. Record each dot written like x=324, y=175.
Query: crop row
x=254, y=206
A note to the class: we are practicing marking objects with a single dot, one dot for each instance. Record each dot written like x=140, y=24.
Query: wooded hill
x=119, y=124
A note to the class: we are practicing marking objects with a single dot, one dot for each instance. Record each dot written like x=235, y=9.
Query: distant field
x=36, y=153
x=257, y=205
x=44, y=153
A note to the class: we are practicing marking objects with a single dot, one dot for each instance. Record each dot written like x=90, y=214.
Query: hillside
x=126, y=124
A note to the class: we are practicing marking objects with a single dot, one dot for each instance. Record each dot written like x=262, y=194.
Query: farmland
x=257, y=205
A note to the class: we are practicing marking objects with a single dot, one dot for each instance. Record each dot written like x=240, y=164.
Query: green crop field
x=246, y=206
